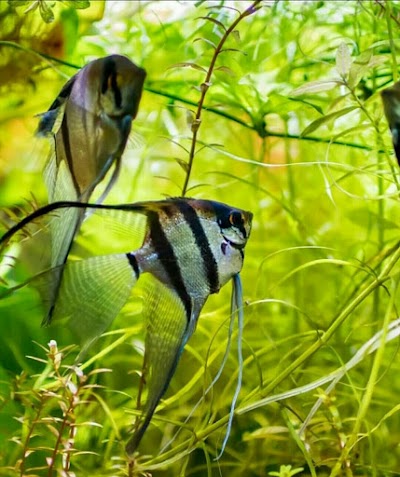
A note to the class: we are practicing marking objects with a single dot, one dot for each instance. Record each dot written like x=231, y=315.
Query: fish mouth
x=236, y=245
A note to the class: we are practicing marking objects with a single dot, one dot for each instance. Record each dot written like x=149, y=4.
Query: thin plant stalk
x=204, y=88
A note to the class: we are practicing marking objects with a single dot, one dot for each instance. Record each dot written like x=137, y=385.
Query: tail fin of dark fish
x=165, y=339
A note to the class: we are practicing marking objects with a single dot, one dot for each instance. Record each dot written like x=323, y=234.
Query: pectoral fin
x=167, y=334
x=49, y=123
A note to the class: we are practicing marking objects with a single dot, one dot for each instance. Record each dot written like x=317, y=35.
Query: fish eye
x=236, y=219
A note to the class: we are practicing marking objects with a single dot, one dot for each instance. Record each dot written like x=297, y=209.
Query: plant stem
x=204, y=88
x=252, y=127
x=28, y=437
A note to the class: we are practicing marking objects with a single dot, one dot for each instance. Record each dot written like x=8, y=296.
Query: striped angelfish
x=190, y=247
x=89, y=122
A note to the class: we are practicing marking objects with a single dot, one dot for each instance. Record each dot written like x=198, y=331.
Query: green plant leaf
x=343, y=60
x=215, y=21
x=225, y=69
x=46, y=12
x=206, y=40
x=326, y=119
x=236, y=35
x=188, y=64
x=316, y=87
x=77, y=4
x=182, y=163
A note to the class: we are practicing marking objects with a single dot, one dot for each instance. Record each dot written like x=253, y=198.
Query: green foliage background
x=293, y=130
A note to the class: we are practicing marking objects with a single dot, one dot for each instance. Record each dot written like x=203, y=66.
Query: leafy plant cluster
x=274, y=107
x=45, y=7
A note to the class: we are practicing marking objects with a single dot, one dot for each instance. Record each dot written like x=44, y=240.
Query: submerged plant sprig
x=207, y=83
x=45, y=7
x=57, y=388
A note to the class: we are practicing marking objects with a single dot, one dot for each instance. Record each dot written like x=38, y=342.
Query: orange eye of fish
x=236, y=219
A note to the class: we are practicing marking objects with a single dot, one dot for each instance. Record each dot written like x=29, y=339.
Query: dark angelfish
x=89, y=121
x=191, y=248
x=391, y=106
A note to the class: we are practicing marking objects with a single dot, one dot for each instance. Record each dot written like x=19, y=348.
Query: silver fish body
x=191, y=248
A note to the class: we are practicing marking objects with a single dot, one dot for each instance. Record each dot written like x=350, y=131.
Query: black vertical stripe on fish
x=169, y=261
x=202, y=242
x=116, y=90
x=108, y=70
x=133, y=263
x=64, y=93
x=110, y=78
x=67, y=151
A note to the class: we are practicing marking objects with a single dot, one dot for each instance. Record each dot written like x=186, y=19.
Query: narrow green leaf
x=307, y=103
x=225, y=69
x=364, y=63
x=206, y=40
x=177, y=144
x=182, y=163
x=361, y=129
x=213, y=20
x=77, y=4
x=355, y=74
x=46, y=12
x=343, y=60
x=316, y=87
x=225, y=7
x=233, y=49
x=187, y=64
x=340, y=102
x=236, y=35
x=326, y=119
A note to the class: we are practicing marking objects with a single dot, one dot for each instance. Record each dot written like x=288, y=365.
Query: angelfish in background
x=90, y=121
x=391, y=106
x=191, y=248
